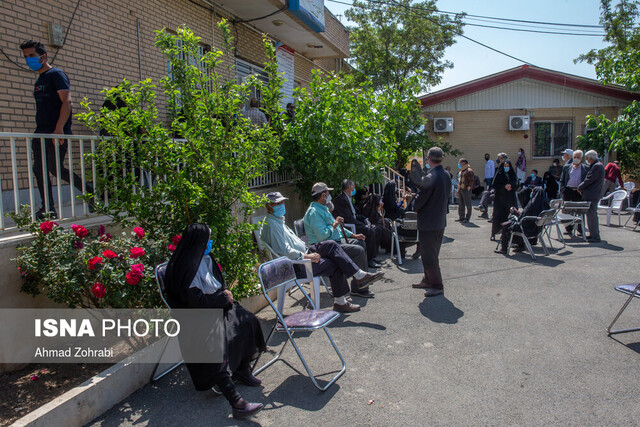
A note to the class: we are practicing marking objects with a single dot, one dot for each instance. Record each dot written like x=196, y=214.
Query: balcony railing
x=17, y=176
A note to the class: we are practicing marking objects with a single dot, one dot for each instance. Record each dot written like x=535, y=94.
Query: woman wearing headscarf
x=536, y=205
x=193, y=279
x=504, y=184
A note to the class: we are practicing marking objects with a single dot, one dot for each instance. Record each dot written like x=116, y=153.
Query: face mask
x=328, y=199
x=34, y=62
x=533, y=176
x=506, y=168
x=519, y=153
x=576, y=161
x=279, y=211
x=353, y=192
x=428, y=166
x=209, y=245
x=486, y=158
x=459, y=166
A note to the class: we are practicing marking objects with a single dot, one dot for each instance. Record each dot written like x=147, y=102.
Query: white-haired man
x=591, y=190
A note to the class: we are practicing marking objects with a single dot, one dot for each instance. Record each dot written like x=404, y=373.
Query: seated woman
x=194, y=280
x=536, y=205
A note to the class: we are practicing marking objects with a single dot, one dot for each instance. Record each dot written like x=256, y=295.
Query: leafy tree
x=399, y=39
x=618, y=63
x=204, y=175
x=339, y=133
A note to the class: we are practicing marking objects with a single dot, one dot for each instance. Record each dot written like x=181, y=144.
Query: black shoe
x=465, y=221
x=593, y=239
x=373, y=264
x=416, y=255
x=431, y=292
x=363, y=293
x=248, y=410
x=247, y=378
x=484, y=215
x=459, y=219
x=500, y=251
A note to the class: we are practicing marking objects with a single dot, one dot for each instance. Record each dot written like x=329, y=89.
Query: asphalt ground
x=512, y=342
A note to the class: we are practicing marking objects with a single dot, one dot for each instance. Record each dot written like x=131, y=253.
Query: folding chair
x=409, y=221
x=574, y=213
x=633, y=290
x=159, y=273
x=540, y=221
x=556, y=205
x=279, y=273
x=632, y=213
x=306, y=263
x=613, y=203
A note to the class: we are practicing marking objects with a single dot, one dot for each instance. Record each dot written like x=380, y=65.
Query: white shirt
x=489, y=169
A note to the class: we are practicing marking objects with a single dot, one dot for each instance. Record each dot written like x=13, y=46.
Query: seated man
x=532, y=180
x=343, y=207
x=488, y=196
x=327, y=257
x=319, y=226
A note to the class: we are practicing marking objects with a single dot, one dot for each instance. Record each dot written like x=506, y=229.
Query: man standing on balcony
x=53, y=116
x=434, y=190
x=254, y=114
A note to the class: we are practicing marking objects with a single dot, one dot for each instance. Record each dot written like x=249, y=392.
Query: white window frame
x=551, y=143
x=245, y=69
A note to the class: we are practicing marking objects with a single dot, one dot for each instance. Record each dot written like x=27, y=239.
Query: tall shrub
x=202, y=175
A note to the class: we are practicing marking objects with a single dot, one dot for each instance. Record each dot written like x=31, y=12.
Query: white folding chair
x=632, y=213
x=613, y=203
x=279, y=273
x=633, y=290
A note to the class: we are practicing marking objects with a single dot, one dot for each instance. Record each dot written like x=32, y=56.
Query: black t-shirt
x=48, y=102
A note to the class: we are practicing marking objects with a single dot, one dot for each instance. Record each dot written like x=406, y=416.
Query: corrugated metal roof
x=525, y=94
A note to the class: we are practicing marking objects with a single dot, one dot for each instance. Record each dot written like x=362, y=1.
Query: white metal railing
x=18, y=187
x=393, y=175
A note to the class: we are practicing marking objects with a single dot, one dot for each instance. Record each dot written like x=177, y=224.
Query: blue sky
x=555, y=52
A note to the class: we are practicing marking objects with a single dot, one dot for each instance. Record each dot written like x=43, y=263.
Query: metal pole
x=30, y=173
x=45, y=174
x=58, y=182
x=14, y=166
x=73, y=200
x=84, y=186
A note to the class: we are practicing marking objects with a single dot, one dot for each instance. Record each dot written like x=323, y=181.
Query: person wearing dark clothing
x=488, y=196
x=392, y=208
x=504, y=183
x=370, y=206
x=52, y=94
x=477, y=189
x=343, y=207
x=572, y=175
x=434, y=190
x=465, y=183
x=555, y=169
x=194, y=280
x=533, y=208
x=532, y=180
x=591, y=189
x=550, y=186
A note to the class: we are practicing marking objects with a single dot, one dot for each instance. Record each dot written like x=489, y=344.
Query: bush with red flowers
x=90, y=268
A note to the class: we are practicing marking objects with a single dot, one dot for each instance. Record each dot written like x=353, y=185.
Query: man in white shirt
x=489, y=171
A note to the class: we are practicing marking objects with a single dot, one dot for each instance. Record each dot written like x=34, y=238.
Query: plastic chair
x=633, y=290
x=159, y=372
x=613, y=203
x=279, y=273
x=409, y=221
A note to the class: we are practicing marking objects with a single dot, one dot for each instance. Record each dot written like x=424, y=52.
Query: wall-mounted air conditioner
x=518, y=122
x=443, y=124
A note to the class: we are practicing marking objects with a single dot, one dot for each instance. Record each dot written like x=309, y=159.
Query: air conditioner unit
x=518, y=122
x=443, y=124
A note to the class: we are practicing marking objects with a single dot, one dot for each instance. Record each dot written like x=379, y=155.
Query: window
x=244, y=70
x=550, y=139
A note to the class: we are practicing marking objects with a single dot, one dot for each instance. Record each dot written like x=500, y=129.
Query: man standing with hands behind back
x=434, y=190
x=52, y=93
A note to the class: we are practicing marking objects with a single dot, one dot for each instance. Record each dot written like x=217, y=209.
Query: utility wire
x=14, y=62
x=67, y=33
x=240, y=21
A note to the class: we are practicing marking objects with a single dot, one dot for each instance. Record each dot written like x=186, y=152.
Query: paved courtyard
x=512, y=342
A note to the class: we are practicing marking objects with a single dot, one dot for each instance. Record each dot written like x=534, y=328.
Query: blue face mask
x=506, y=168
x=209, y=245
x=33, y=62
x=279, y=211
x=459, y=166
x=353, y=192
x=533, y=176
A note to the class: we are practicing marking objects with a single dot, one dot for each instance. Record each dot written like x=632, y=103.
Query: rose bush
x=83, y=268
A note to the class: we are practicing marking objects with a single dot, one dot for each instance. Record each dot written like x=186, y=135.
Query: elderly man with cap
x=567, y=156
x=319, y=225
x=434, y=190
x=327, y=257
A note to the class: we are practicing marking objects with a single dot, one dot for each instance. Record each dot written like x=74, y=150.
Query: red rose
x=106, y=237
x=176, y=239
x=93, y=262
x=109, y=254
x=171, y=247
x=138, y=267
x=134, y=277
x=98, y=290
x=136, y=252
x=79, y=230
x=78, y=244
x=139, y=232
x=101, y=230
x=47, y=226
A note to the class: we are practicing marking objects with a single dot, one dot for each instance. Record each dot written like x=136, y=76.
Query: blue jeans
x=488, y=182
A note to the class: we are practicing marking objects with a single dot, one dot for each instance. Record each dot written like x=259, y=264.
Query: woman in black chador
x=194, y=280
x=536, y=205
x=504, y=183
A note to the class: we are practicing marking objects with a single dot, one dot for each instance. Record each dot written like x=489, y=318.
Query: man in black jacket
x=343, y=206
x=434, y=190
x=591, y=190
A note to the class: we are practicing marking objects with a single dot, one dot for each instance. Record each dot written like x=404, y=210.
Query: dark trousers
x=486, y=199
x=372, y=236
x=356, y=249
x=52, y=169
x=592, y=219
x=430, y=242
x=334, y=263
x=464, y=203
x=572, y=195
